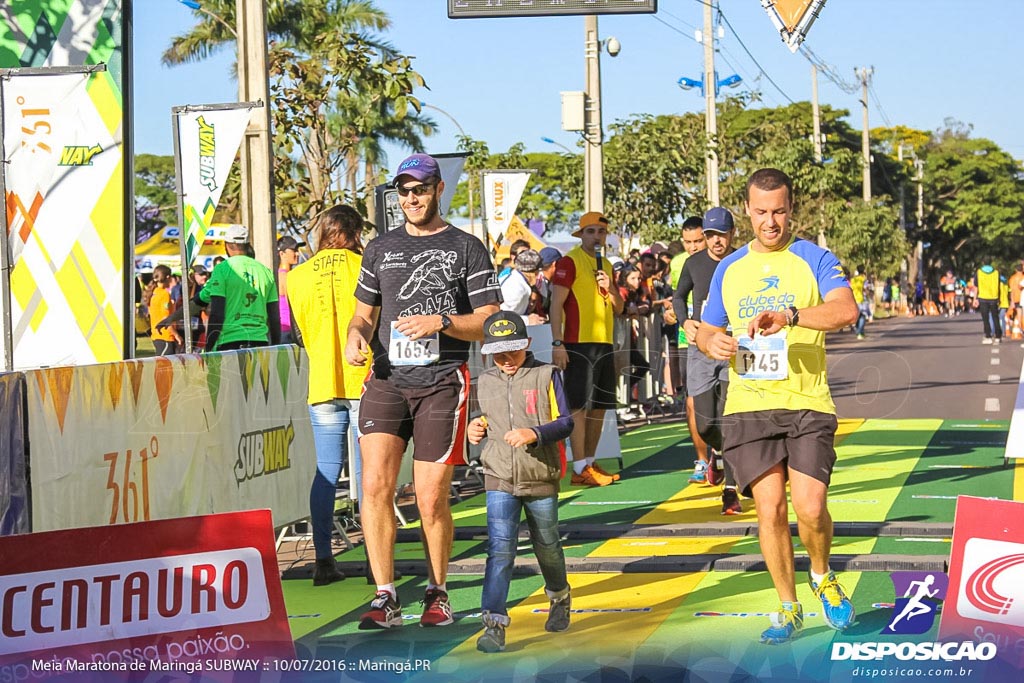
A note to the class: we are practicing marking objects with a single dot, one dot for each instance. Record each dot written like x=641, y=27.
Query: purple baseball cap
x=418, y=166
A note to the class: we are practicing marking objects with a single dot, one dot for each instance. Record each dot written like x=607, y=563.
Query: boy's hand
x=477, y=430
x=520, y=437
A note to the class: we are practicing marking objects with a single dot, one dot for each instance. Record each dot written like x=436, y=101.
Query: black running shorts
x=755, y=442
x=433, y=417
x=589, y=377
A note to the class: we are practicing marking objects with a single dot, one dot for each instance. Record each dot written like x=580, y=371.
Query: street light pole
x=469, y=175
x=865, y=79
x=593, y=155
x=257, y=200
x=557, y=144
x=710, y=115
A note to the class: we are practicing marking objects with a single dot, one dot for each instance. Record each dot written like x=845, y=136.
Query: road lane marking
x=991, y=405
x=995, y=361
x=993, y=379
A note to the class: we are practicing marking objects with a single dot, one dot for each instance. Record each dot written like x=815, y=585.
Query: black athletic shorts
x=433, y=417
x=755, y=442
x=589, y=378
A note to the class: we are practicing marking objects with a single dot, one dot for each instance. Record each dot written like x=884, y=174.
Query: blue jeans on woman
x=503, y=513
x=330, y=421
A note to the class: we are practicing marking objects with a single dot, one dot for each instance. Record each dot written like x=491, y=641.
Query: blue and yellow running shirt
x=747, y=282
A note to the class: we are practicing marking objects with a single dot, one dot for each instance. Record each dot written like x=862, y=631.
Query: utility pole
x=919, y=177
x=865, y=140
x=816, y=114
x=710, y=118
x=593, y=155
x=257, y=200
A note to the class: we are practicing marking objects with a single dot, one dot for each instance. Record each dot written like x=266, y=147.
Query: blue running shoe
x=836, y=607
x=785, y=624
x=699, y=470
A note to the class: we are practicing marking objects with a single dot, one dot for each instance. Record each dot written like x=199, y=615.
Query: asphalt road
x=928, y=367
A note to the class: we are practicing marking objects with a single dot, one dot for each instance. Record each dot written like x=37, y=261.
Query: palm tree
x=359, y=121
x=295, y=23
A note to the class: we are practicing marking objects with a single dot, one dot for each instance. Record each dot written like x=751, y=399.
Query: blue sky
x=501, y=78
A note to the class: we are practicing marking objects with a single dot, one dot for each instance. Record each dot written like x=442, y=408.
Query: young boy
x=526, y=415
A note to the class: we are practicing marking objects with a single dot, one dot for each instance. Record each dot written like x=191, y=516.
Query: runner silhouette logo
x=918, y=595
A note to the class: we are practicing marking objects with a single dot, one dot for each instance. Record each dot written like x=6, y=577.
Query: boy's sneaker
x=385, y=612
x=731, y=502
x=784, y=625
x=437, y=611
x=699, y=469
x=559, y=611
x=714, y=474
x=836, y=607
x=493, y=639
x=589, y=477
x=614, y=476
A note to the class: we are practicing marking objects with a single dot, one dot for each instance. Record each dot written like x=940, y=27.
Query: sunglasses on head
x=419, y=190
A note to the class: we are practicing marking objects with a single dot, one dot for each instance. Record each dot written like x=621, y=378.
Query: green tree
x=338, y=92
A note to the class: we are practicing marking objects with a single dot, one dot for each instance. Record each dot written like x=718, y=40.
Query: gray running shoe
x=558, y=614
x=493, y=639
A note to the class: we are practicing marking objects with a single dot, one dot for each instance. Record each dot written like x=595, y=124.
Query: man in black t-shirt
x=424, y=292
x=707, y=380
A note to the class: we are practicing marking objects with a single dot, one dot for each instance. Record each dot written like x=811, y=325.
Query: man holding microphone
x=584, y=303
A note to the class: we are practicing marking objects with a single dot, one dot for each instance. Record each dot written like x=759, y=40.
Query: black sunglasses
x=420, y=190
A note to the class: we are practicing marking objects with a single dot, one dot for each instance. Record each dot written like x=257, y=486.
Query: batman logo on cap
x=502, y=328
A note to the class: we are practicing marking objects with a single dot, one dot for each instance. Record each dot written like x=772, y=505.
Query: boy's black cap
x=504, y=331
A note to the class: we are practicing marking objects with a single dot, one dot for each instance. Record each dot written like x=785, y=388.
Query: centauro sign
x=138, y=598
x=164, y=593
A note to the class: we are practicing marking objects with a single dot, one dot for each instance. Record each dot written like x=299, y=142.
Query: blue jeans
x=330, y=421
x=862, y=318
x=503, y=512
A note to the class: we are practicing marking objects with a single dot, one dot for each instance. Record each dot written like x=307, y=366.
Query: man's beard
x=429, y=214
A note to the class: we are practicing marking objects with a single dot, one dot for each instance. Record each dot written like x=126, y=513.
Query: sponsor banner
x=502, y=192
x=63, y=176
x=170, y=437
x=68, y=293
x=191, y=594
x=208, y=142
x=985, y=600
x=14, y=518
x=163, y=249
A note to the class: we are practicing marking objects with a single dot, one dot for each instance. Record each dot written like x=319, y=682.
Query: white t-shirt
x=515, y=291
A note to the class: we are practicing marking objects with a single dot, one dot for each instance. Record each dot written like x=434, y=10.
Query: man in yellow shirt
x=584, y=303
x=780, y=294
x=987, y=278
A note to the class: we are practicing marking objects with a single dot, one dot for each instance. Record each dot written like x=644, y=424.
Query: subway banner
x=164, y=601
x=170, y=437
x=502, y=192
x=64, y=148
x=208, y=141
x=14, y=517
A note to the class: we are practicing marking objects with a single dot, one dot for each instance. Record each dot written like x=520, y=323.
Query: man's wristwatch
x=446, y=322
x=794, y=316
x=557, y=343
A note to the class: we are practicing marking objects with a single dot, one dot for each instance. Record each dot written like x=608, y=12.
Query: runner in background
x=693, y=241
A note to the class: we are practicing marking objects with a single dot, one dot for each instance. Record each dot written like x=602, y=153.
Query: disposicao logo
x=915, y=611
x=771, y=282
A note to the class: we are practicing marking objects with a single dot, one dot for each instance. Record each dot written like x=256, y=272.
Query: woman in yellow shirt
x=320, y=294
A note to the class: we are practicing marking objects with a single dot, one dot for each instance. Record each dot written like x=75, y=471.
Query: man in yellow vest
x=584, y=303
x=987, y=278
